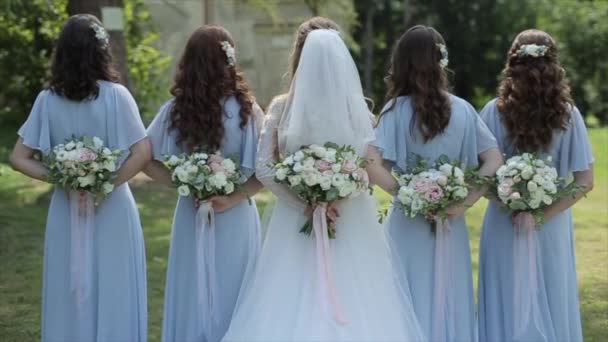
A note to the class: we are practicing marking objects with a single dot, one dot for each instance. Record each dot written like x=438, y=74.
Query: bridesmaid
x=84, y=98
x=212, y=108
x=534, y=91
x=423, y=118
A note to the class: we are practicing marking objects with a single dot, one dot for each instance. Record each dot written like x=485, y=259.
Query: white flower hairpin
x=443, y=62
x=230, y=54
x=532, y=50
x=101, y=35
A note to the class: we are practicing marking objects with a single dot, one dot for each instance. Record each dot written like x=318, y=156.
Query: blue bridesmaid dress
x=557, y=293
x=411, y=239
x=237, y=235
x=116, y=308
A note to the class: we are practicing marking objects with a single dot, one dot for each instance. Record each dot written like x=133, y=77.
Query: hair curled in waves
x=533, y=96
x=80, y=60
x=415, y=71
x=314, y=23
x=202, y=80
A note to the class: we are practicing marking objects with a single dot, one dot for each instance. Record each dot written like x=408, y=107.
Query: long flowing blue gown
x=558, y=293
x=411, y=239
x=116, y=309
x=235, y=252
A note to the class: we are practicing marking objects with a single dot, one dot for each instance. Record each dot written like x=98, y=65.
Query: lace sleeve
x=267, y=154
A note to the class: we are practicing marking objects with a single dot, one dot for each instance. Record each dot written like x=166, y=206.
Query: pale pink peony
x=214, y=158
x=216, y=167
x=349, y=167
x=322, y=165
x=422, y=185
x=362, y=175
x=434, y=193
x=86, y=155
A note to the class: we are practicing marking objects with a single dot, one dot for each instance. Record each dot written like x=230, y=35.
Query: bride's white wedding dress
x=284, y=299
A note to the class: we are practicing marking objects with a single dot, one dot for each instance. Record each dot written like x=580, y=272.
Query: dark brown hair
x=415, y=71
x=314, y=23
x=533, y=96
x=203, y=78
x=80, y=60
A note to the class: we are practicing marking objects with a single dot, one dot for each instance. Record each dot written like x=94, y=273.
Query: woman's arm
x=248, y=189
x=378, y=173
x=159, y=172
x=22, y=160
x=584, y=179
x=490, y=160
x=138, y=158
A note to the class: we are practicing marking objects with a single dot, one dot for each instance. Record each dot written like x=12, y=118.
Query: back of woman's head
x=81, y=58
x=314, y=23
x=417, y=70
x=533, y=96
x=206, y=74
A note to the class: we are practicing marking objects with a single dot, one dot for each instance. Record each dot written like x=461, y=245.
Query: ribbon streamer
x=325, y=275
x=82, y=220
x=205, y=266
x=527, y=318
x=443, y=322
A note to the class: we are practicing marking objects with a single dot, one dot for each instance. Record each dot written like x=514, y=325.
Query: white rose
x=295, y=180
x=61, y=155
x=330, y=155
x=319, y=151
x=325, y=182
x=534, y=203
x=532, y=186
x=547, y=200
x=502, y=170
x=107, y=187
x=200, y=155
x=336, y=167
x=311, y=178
x=173, y=160
x=446, y=169
x=98, y=143
x=442, y=180
x=70, y=146
x=218, y=180
x=527, y=173
x=106, y=151
x=281, y=174
x=337, y=180
x=297, y=167
x=229, y=187
x=183, y=190
x=86, y=180
x=94, y=166
x=308, y=164
x=298, y=156
x=288, y=161
x=229, y=165
x=460, y=192
x=346, y=189
x=515, y=196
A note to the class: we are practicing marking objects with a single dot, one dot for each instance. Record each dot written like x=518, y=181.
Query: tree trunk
x=368, y=46
x=117, y=38
x=409, y=10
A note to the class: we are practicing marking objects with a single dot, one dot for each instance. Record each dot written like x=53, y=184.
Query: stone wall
x=263, y=45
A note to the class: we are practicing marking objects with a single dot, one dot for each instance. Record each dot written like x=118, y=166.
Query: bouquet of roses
x=428, y=190
x=203, y=175
x=323, y=174
x=526, y=183
x=83, y=164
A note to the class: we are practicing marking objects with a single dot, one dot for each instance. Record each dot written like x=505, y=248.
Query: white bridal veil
x=326, y=102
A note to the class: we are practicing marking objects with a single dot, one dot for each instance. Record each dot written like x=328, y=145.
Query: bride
x=284, y=298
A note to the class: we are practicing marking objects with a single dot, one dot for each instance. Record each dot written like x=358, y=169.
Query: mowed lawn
x=23, y=208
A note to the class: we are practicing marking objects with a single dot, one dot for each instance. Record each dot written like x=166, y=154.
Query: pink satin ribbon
x=82, y=220
x=205, y=265
x=325, y=275
x=443, y=317
x=525, y=278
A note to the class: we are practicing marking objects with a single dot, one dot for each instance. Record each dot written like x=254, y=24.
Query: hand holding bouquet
x=527, y=183
x=323, y=174
x=203, y=175
x=429, y=190
x=83, y=164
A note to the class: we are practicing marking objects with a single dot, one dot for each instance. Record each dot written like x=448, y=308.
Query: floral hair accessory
x=101, y=35
x=443, y=62
x=230, y=54
x=532, y=50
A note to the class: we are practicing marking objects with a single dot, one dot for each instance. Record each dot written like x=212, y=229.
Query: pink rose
x=434, y=194
x=422, y=185
x=362, y=175
x=349, y=167
x=322, y=165
x=214, y=158
x=216, y=167
x=86, y=155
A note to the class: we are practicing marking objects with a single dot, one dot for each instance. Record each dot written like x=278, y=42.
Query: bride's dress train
x=284, y=300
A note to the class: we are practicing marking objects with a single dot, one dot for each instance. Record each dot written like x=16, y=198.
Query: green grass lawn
x=23, y=208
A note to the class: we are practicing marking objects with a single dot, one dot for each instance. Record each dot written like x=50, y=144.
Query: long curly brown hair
x=203, y=79
x=314, y=23
x=533, y=96
x=415, y=71
x=80, y=60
